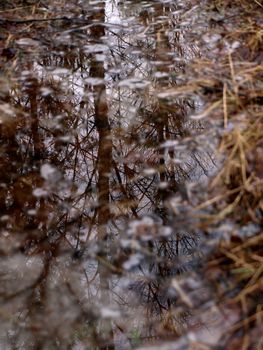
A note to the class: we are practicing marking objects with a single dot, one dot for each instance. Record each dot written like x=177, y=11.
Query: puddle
x=107, y=148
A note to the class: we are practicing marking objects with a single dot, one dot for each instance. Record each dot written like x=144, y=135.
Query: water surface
x=105, y=152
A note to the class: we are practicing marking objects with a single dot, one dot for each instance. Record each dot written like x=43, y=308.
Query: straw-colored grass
x=236, y=193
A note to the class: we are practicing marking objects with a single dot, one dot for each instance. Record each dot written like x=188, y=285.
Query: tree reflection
x=96, y=163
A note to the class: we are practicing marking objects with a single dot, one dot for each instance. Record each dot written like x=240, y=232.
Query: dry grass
x=236, y=194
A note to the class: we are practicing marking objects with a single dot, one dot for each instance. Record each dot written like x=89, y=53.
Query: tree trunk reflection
x=104, y=165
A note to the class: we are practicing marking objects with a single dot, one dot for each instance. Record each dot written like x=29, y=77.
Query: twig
x=225, y=106
x=32, y=20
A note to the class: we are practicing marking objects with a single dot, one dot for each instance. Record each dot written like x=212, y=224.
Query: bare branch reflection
x=94, y=192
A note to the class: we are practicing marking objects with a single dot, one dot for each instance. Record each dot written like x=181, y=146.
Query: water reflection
x=97, y=160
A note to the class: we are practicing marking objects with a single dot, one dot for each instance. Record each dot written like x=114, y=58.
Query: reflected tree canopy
x=101, y=164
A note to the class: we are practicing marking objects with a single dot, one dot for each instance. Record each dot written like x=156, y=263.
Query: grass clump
x=235, y=79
